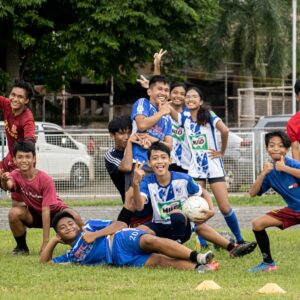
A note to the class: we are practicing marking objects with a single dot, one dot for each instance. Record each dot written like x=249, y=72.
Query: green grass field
x=25, y=278
x=234, y=200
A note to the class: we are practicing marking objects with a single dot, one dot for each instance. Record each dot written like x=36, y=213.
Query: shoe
x=264, y=267
x=20, y=251
x=213, y=266
x=243, y=249
x=203, y=259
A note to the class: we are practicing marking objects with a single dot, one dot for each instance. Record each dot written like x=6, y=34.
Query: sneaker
x=20, y=251
x=211, y=267
x=264, y=267
x=203, y=259
x=243, y=249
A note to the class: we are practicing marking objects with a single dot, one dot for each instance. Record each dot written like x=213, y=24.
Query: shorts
x=211, y=180
x=37, y=221
x=137, y=221
x=174, y=167
x=164, y=230
x=126, y=250
x=129, y=175
x=287, y=216
x=8, y=165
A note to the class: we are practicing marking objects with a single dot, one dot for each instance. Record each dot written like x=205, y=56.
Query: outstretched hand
x=139, y=173
x=158, y=56
x=143, y=81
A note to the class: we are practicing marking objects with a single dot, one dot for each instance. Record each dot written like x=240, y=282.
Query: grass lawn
x=245, y=200
x=25, y=278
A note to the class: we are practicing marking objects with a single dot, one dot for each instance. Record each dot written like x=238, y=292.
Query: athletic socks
x=178, y=227
x=21, y=241
x=233, y=224
x=125, y=215
x=264, y=245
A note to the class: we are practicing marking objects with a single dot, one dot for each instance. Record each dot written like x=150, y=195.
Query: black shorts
x=164, y=230
x=174, y=167
x=211, y=180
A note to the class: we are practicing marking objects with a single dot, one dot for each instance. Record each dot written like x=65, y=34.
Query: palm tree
x=254, y=33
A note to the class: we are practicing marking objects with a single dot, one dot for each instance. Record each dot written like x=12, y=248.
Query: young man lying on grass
x=111, y=243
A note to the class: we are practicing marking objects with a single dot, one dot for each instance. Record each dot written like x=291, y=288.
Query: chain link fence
x=75, y=160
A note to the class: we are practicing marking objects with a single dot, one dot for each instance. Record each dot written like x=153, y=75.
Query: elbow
x=251, y=193
x=122, y=225
x=141, y=127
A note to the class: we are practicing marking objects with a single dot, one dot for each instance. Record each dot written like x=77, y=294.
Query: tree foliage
x=102, y=38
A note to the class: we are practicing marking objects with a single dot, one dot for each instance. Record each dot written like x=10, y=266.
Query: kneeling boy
x=39, y=194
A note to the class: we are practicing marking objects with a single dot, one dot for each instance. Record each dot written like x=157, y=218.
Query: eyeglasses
x=192, y=97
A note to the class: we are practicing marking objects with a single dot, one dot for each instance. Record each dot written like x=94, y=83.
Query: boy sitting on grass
x=282, y=175
x=39, y=194
x=111, y=243
x=166, y=191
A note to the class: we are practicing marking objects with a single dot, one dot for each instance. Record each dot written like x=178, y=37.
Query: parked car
x=60, y=155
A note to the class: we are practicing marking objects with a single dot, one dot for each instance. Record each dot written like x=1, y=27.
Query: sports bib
x=199, y=142
x=167, y=207
x=177, y=133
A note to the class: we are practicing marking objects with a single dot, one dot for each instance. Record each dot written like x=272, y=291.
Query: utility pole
x=63, y=103
x=294, y=54
x=111, y=99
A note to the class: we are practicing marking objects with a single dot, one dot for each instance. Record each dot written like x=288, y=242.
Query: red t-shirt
x=293, y=128
x=17, y=128
x=38, y=192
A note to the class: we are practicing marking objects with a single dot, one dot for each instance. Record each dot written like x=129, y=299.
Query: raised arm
x=281, y=166
x=157, y=60
x=47, y=253
x=295, y=150
x=137, y=179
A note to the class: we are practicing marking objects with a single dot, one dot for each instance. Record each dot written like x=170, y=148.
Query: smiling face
x=67, y=229
x=193, y=100
x=159, y=93
x=177, y=96
x=159, y=162
x=276, y=148
x=18, y=99
x=24, y=160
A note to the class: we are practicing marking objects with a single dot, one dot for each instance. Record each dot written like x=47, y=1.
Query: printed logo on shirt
x=167, y=207
x=12, y=132
x=292, y=186
x=199, y=142
x=177, y=133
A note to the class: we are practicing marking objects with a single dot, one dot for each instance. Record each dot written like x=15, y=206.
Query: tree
x=98, y=39
x=254, y=33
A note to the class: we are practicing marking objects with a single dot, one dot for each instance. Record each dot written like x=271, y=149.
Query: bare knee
x=16, y=213
x=257, y=224
x=148, y=242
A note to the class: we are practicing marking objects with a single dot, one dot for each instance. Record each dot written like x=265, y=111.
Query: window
x=58, y=138
x=276, y=124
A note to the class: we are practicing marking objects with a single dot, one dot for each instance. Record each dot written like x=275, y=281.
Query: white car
x=59, y=154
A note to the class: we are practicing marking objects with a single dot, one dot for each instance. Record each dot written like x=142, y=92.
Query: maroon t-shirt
x=17, y=128
x=38, y=192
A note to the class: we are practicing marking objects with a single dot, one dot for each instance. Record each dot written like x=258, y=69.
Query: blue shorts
x=126, y=249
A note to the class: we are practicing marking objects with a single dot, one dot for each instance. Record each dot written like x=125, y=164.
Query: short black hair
x=158, y=78
x=297, y=87
x=281, y=134
x=177, y=84
x=158, y=146
x=120, y=123
x=25, y=86
x=59, y=216
x=24, y=146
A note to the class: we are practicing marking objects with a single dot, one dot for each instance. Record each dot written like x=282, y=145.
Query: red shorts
x=137, y=221
x=37, y=221
x=7, y=164
x=287, y=216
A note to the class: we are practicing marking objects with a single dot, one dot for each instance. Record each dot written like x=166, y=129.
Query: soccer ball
x=193, y=207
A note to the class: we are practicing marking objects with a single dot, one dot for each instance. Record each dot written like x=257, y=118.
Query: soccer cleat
x=211, y=267
x=243, y=249
x=263, y=267
x=20, y=251
x=203, y=259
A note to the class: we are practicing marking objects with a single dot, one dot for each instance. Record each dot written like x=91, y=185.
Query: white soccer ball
x=193, y=207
